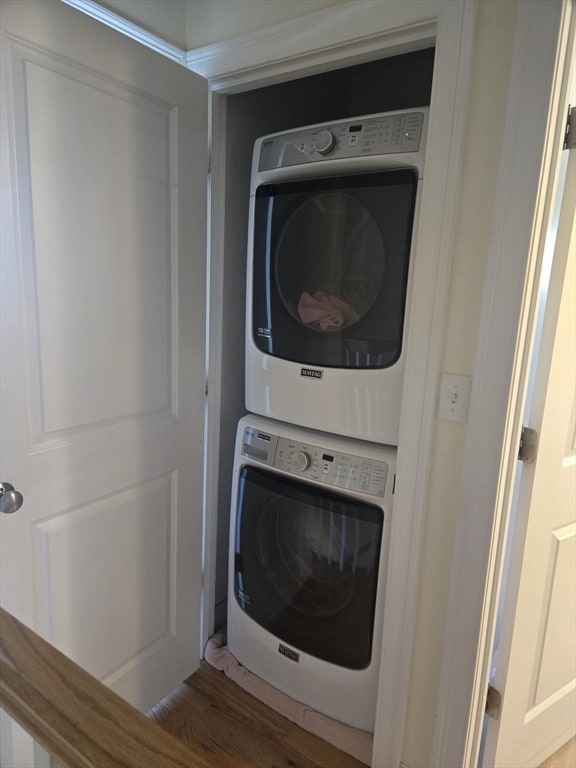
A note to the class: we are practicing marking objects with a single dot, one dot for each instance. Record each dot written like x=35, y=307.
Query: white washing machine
x=333, y=209
x=309, y=534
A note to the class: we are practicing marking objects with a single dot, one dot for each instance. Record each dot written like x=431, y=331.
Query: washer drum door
x=306, y=566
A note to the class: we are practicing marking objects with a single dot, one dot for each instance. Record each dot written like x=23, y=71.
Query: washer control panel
x=375, y=135
x=340, y=470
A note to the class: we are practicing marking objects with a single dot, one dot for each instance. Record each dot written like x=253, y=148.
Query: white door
x=103, y=339
x=536, y=656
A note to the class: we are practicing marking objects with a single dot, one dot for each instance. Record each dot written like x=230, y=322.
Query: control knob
x=324, y=142
x=300, y=461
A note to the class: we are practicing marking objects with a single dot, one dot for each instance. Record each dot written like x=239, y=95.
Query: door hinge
x=528, y=449
x=493, y=703
x=570, y=132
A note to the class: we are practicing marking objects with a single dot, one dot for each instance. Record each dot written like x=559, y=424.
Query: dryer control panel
x=333, y=468
x=374, y=135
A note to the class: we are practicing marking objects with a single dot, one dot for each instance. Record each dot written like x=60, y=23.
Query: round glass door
x=330, y=268
x=330, y=261
x=306, y=565
x=309, y=555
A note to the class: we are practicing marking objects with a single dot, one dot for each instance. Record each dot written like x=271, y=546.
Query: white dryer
x=309, y=535
x=332, y=215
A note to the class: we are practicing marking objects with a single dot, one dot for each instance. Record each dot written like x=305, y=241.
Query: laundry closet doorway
x=243, y=109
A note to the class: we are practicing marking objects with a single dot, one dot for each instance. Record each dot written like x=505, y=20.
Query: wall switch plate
x=454, y=397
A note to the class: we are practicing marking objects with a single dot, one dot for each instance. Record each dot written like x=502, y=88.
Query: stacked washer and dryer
x=332, y=220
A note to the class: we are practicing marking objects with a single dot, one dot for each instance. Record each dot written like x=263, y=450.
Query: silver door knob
x=10, y=500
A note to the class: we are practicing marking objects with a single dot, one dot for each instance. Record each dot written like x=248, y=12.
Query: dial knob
x=324, y=142
x=300, y=461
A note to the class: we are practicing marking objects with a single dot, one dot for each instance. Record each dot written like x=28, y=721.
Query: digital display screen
x=354, y=128
x=326, y=457
x=255, y=453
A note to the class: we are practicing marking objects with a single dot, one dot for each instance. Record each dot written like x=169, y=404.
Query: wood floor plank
x=236, y=702
x=179, y=704
x=226, y=724
x=201, y=730
x=320, y=751
x=228, y=741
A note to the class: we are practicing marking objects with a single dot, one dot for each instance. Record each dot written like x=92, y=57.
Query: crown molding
x=349, y=30
x=305, y=45
x=133, y=31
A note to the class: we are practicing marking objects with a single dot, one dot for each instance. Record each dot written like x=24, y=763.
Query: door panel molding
x=103, y=243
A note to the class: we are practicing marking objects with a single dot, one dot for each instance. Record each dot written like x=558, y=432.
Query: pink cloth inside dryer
x=323, y=309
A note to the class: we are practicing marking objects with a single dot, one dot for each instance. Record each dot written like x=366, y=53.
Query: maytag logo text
x=289, y=653
x=311, y=373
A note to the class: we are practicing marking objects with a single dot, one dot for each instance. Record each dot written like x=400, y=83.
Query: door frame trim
x=534, y=121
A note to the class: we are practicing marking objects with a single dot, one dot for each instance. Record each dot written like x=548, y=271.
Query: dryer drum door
x=330, y=256
x=330, y=268
x=307, y=566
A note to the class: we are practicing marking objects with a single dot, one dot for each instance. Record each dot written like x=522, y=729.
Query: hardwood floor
x=564, y=758
x=228, y=724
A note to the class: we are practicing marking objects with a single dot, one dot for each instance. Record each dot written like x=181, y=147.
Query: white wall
x=210, y=21
x=488, y=97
